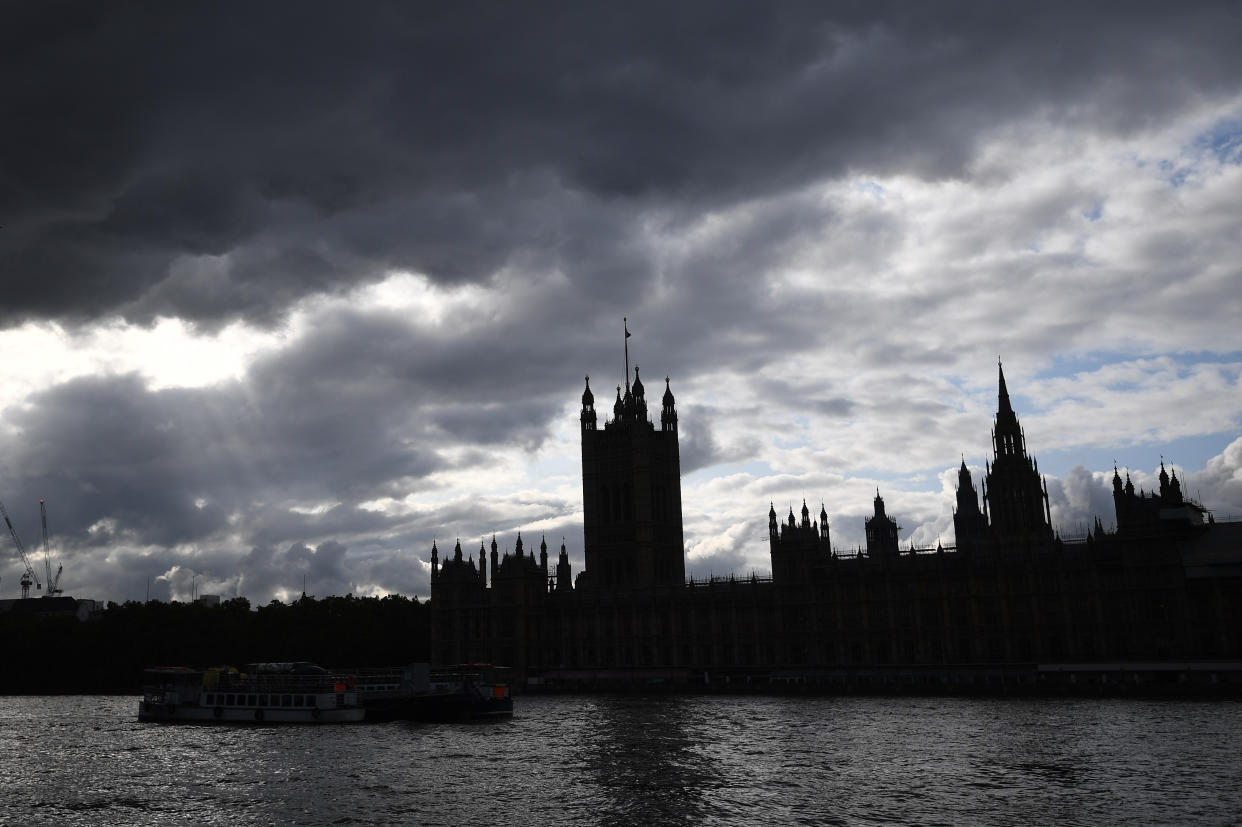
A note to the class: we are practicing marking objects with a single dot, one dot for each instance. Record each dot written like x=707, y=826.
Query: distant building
x=82, y=609
x=1165, y=586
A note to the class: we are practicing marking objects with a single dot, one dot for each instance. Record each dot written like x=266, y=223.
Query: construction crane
x=53, y=583
x=28, y=577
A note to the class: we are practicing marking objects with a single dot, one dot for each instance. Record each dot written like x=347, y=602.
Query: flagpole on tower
x=626, y=324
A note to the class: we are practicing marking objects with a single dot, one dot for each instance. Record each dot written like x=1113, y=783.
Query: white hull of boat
x=186, y=713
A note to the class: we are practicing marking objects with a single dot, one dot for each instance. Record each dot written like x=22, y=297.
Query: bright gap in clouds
x=172, y=353
x=168, y=354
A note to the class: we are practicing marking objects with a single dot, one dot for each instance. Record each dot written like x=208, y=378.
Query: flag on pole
x=626, y=324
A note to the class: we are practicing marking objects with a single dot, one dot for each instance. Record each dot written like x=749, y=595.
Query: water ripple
x=635, y=760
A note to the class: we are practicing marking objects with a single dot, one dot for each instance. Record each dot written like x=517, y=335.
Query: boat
x=259, y=693
x=420, y=692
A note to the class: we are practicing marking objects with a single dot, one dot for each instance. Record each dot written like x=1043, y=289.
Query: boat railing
x=282, y=682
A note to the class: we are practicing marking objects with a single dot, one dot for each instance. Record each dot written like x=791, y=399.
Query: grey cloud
x=1077, y=499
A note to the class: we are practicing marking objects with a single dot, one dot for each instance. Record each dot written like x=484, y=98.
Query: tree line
x=58, y=654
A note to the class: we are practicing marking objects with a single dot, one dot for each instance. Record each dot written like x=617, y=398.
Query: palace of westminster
x=1160, y=592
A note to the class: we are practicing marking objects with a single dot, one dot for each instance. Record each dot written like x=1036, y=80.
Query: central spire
x=1003, y=401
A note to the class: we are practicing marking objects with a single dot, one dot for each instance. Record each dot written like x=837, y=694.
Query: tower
x=1015, y=495
x=881, y=531
x=798, y=548
x=969, y=523
x=631, y=492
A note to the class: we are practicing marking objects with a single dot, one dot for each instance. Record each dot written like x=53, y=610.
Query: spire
x=668, y=411
x=1003, y=397
x=639, y=390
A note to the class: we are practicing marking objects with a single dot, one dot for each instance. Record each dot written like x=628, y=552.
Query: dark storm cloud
x=184, y=159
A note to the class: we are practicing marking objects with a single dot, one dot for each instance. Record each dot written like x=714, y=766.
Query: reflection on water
x=635, y=760
x=645, y=762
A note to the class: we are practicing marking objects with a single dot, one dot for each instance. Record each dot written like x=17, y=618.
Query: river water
x=636, y=760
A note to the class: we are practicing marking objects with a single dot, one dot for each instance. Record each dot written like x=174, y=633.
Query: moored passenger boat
x=420, y=692
x=265, y=693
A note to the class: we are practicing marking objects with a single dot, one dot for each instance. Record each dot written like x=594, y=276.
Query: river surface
x=636, y=760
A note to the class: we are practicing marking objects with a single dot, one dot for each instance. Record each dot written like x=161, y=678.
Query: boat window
x=251, y=700
x=340, y=699
x=229, y=699
x=285, y=700
x=262, y=700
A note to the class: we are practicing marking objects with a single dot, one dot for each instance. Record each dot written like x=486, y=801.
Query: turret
x=823, y=523
x=563, y=573
x=668, y=411
x=435, y=561
x=772, y=531
x=482, y=564
x=589, y=419
x=881, y=531
x=543, y=555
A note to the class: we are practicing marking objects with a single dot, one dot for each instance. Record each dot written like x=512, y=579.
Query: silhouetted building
x=1015, y=496
x=881, y=532
x=1165, y=587
x=631, y=494
x=969, y=523
x=1143, y=513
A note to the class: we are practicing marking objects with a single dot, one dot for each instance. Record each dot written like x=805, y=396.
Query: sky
x=292, y=291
